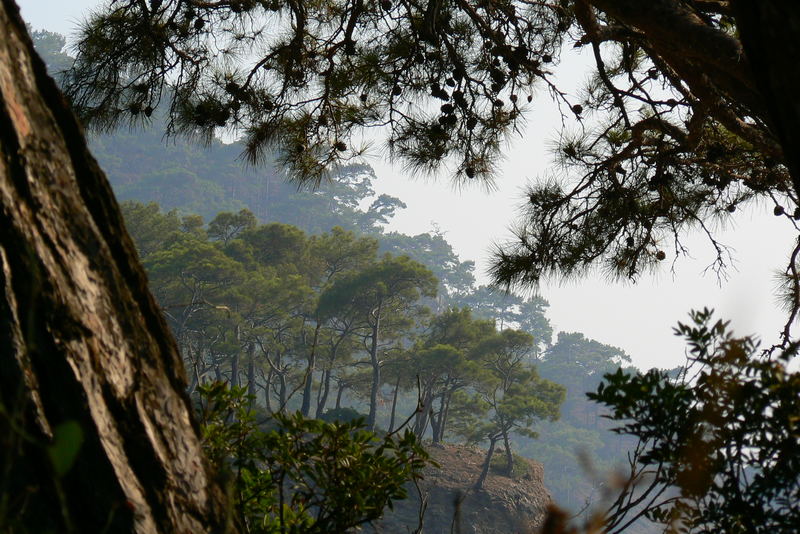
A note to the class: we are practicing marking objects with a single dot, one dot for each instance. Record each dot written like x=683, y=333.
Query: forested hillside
x=291, y=317
x=263, y=283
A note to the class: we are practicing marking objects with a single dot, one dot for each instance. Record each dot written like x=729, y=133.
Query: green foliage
x=219, y=290
x=579, y=364
x=222, y=299
x=722, y=439
x=180, y=175
x=444, y=362
x=67, y=442
x=303, y=475
x=149, y=228
x=456, y=278
x=335, y=68
x=676, y=145
x=50, y=46
x=521, y=468
x=578, y=451
x=396, y=281
x=344, y=415
x=512, y=311
x=381, y=303
x=258, y=298
x=692, y=154
x=510, y=390
x=226, y=226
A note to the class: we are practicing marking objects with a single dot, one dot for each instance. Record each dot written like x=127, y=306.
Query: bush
x=303, y=475
x=341, y=415
x=521, y=466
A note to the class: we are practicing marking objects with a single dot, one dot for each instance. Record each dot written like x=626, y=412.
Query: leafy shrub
x=342, y=415
x=718, y=447
x=303, y=475
x=521, y=468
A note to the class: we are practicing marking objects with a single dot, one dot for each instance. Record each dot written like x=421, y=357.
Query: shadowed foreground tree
x=95, y=426
x=717, y=445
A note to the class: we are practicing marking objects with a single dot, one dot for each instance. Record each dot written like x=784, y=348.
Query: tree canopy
x=671, y=132
x=286, y=315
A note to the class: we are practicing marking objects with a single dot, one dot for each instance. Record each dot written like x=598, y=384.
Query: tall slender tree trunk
x=434, y=427
x=235, y=370
x=325, y=388
x=325, y=385
x=87, y=363
x=376, y=372
x=437, y=422
x=195, y=373
x=267, y=391
x=309, y=377
x=282, y=388
x=251, y=370
x=421, y=422
x=283, y=391
x=443, y=415
x=339, y=394
x=235, y=362
x=394, y=404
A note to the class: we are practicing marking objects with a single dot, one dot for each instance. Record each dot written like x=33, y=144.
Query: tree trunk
x=434, y=427
x=339, y=395
x=267, y=391
x=394, y=405
x=445, y=414
x=325, y=388
x=487, y=463
x=84, y=350
x=234, y=382
x=235, y=363
x=509, y=455
x=251, y=370
x=195, y=373
x=282, y=390
x=437, y=421
x=309, y=377
x=421, y=421
x=444, y=405
x=376, y=374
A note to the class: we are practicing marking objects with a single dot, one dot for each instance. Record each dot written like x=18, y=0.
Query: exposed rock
x=503, y=506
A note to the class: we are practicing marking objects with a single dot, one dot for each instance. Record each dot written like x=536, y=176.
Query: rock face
x=504, y=506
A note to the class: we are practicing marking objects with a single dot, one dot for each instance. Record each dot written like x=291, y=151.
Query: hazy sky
x=637, y=318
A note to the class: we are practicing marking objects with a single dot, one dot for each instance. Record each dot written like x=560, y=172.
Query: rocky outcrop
x=503, y=506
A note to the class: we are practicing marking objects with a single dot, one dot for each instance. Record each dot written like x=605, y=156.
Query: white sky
x=638, y=318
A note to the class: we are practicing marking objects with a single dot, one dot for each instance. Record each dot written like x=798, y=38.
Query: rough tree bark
x=81, y=339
